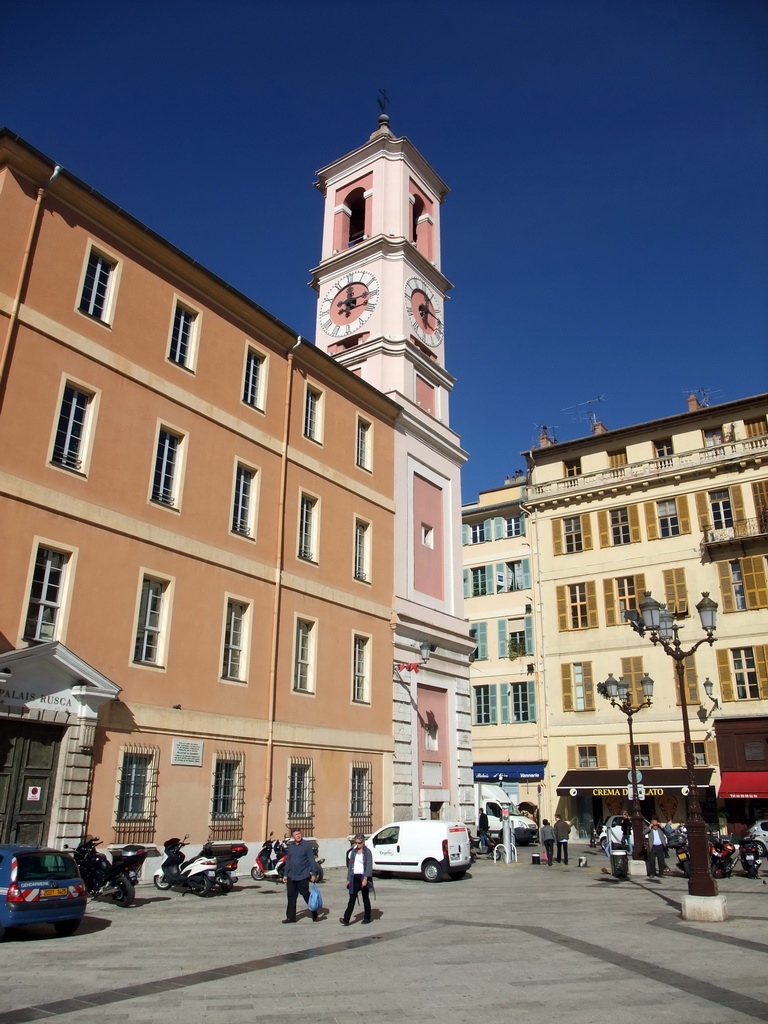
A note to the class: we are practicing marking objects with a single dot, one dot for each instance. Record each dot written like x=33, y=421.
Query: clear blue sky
x=607, y=229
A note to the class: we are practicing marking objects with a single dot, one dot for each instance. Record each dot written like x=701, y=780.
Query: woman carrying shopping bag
x=359, y=879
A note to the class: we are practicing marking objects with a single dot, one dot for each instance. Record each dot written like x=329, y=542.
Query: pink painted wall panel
x=433, y=735
x=428, y=537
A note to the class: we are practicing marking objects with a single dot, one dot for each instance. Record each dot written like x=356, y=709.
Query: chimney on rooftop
x=599, y=428
x=545, y=441
x=694, y=404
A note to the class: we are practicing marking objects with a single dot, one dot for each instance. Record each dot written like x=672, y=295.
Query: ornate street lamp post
x=663, y=631
x=617, y=693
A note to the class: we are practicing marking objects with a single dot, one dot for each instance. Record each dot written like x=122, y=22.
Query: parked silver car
x=759, y=832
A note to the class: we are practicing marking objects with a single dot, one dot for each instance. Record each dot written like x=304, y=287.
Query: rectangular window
x=242, y=502
x=224, y=789
x=516, y=646
x=477, y=533
x=721, y=509
x=233, y=662
x=662, y=448
x=96, y=293
x=166, y=468
x=572, y=467
x=307, y=528
x=300, y=794
x=134, y=787
x=587, y=757
x=578, y=613
x=182, y=336
x=514, y=577
x=312, y=425
x=513, y=526
x=619, y=518
x=360, y=795
x=699, y=754
x=363, y=445
x=617, y=458
x=479, y=579
x=253, y=382
x=523, y=707
x=713, y=437
x=360, y=688
x=68, y=446
x=485, y=705
x=737, y=586
x=579, y=696
x=745, y=673
x=626, y=595
x=361, y=550
x=302, y=658
x=147, y=649
x=669, y=524
x=46, y=594
x=643, y=755
x=572, y=531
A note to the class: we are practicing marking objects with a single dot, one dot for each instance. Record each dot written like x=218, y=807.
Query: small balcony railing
x=742, y=529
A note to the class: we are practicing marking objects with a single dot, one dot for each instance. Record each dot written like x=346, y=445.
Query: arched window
x=355, y=201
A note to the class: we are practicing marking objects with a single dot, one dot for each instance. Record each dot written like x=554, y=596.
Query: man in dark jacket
x=562, y=831
x=300, y=870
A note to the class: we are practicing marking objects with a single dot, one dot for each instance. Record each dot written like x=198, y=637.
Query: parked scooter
x=749, y=852
x=722, y=856
x=677, y=842
x=176, y=872
x=116, y=878
x=226, y=857
x=269, y=856
x=481, y=846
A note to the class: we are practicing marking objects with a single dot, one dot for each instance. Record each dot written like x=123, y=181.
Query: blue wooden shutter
x=526, y=564
x=529, y=646
x=531, y=700
x=488, y=529
x=481, y=635
x=494, y=713
x=522, y=524
x=498, y=528
x=490, y=580
x=503, y=634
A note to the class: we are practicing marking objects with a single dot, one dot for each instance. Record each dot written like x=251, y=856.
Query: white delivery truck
x=494, y=801
x=433, y=849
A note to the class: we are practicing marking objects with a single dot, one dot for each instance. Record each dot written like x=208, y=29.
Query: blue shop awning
x=508, y=772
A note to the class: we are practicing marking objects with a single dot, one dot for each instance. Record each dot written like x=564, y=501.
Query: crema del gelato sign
x=31, y=697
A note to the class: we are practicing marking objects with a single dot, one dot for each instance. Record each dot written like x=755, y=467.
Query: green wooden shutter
x=529, y=642
x=498, y=528
x=481, y=635
x=503, y=638
x=493, y=710
x=466, y=583
x=490, y=581
x=531, y=700
x=501, y=578
x=464, y=534
x=526, y=563
x=523, y=517
x=505, y=719
x=488, y=529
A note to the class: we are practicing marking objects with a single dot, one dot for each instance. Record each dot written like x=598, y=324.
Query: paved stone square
x=513, y=942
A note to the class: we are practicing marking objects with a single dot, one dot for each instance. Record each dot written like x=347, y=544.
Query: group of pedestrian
x=301, y=870
x=557, y=834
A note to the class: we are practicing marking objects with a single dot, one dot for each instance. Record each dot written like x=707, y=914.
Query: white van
x=433, y=849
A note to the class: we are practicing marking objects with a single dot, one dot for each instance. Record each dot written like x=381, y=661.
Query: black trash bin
x=619, y=858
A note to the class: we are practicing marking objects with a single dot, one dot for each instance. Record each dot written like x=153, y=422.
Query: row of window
x=493, y=529
x=514, y=638
x=498, y=578
x=663, y=447
x=743, y=587
x=45, y=610
x=138, y=784
x=504, y=703
x=647, y=755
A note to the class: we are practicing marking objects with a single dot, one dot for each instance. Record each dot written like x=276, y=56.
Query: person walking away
x=300, y=870
x=547, y=837
x=359, y=879
x=482, y=830
x=562, y=830
x=656, y=849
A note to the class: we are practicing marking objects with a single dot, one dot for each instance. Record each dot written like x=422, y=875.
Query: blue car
x=40, y=886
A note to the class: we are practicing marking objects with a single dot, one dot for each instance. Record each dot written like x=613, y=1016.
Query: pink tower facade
x=381, y=303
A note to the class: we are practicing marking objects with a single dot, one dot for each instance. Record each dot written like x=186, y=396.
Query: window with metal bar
x=45, y=597
x=300, y=795
x=134, y=777
x=360, y=798
x=70, y=430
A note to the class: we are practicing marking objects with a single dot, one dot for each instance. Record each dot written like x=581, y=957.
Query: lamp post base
x=704, y=908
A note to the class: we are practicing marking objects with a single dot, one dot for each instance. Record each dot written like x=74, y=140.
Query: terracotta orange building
x=197, y=513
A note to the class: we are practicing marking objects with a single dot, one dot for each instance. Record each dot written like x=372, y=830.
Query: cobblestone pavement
x=557, y=944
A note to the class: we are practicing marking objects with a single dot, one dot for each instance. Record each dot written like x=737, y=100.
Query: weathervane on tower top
x=383, y=101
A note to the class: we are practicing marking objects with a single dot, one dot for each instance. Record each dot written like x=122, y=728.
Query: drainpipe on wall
x=279, y=559
x=10, y=337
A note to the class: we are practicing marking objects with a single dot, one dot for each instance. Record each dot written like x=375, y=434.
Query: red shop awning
x=743, y=784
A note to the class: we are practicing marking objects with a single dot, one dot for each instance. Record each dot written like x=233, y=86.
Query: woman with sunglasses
x=359, y=879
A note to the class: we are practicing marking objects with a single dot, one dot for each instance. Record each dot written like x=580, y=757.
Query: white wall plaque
x=189, y=752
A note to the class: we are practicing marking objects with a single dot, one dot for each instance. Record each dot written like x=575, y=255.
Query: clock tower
x=381, y=313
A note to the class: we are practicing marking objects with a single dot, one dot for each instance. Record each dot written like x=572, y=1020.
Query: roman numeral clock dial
x=423, y=312
x=349, y=303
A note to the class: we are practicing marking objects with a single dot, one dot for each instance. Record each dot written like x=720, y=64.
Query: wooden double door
x=28, y=759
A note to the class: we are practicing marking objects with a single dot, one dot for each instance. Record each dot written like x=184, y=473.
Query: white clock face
x=424, y=312
x=349, y=303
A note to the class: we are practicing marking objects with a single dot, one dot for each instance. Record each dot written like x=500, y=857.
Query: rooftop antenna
x=543, y=432
x=587, y=414
x=704, y=395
